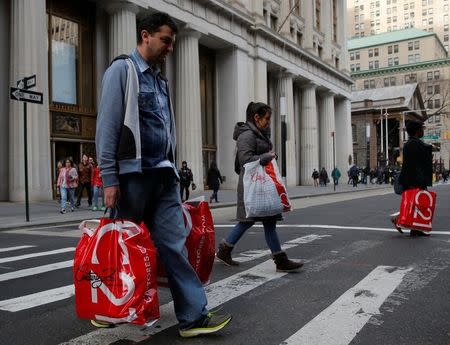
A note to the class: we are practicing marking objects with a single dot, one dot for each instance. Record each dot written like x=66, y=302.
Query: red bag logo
x=417, y=209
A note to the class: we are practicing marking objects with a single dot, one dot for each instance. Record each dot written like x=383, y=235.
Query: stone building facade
x=226, y=54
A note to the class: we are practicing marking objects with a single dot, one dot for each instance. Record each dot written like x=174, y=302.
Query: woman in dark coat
x=417, y=168
x=253, y=143
x=214, y=180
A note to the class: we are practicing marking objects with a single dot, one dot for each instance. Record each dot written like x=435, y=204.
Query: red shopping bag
x=115, y=273
x=417, y=209
x=200, y=243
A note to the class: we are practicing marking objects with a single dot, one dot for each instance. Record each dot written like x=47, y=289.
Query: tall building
x=371, y=17
x=227, y=53
x=408, y=56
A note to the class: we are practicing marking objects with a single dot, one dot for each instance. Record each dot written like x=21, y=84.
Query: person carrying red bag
x=417, y=168
x=136, y=143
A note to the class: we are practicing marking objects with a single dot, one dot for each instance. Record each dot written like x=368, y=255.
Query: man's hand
x=112, y=195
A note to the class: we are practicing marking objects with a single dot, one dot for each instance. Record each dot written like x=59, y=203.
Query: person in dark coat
x=417, y=169
x=253, y=143
x=323, y=177
x=186, y=178
x=214, y=180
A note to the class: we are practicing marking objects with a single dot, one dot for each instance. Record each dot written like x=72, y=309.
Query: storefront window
x=64, y=50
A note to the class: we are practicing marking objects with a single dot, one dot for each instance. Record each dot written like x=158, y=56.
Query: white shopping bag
x=264, y=192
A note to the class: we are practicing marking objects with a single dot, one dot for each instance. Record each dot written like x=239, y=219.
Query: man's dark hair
x=412, y=127
x=257, y=108
x=152, y=22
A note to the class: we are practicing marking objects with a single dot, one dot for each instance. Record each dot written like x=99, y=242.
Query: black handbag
x=398, y=188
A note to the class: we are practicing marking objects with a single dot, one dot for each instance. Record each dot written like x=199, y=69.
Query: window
x=411, y=58
x=417, y=57
x=430, y=20
x=424, y=12
x=430, y=104
x=370, y=53
x=411, y=6
x=445, y=18
x=393, y=81
x=424, y=22
x=429, y=89
x=437, y=103
x=388, y=11
x=357, y=67
x=406, y=16
x=437, y=89
x=436, y=74
x=389, y=49
x=376, y=64
x=394, y=19
x=424, y=2
x=406, y=6
x=377, y=13
x=372, y=83
x=352, y=56
x=352, y=67
x=366, y=84
x=370, y=64
x=446, y=38
x=273, y=22
x=386, y=82
x=372, y=23
x=429, y=75
x=430, y=10
x=410, y=45
x=354, y=134
x=437, y=118
x=361, y=26
x=357, y=55
x=396, y=61
x=413, y=77
x=396, y=48
x=446, y=27
x=318, y=13
x=416, y=45
x=376, y=52
x=445, y=8
x=390, y=62
x=388, y=20
x=430, y=120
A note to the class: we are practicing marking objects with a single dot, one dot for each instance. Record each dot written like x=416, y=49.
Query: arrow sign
x=26, y=96
x=27, y=82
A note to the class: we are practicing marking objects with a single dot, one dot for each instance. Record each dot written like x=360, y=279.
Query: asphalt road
x=362, y=282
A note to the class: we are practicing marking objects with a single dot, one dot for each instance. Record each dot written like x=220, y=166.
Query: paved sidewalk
x=46, y=213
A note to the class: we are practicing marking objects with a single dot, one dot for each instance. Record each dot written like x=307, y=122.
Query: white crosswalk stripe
x=10, y=249
x=35, y=270
x=35, y=255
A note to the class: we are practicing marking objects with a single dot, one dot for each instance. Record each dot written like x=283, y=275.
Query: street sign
x=26, y=96
x=27, y=82
x=430, y=137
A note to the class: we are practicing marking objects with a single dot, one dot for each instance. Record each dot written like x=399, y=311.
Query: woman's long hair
x=258, y=108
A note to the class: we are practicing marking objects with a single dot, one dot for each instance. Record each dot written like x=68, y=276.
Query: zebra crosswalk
x=339, y=321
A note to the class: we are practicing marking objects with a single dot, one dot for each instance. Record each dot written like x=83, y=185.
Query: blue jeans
x=154, y=197
x=67, y=192
x=96, y=191
x=270, y=232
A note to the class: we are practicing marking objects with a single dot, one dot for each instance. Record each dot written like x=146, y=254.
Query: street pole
x=27, y=206
x=334, y=161
x=387, y=138
x=381, y=130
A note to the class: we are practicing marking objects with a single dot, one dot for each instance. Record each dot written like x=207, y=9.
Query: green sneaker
x=95, y=208
x=102, y=324
x=210, y=324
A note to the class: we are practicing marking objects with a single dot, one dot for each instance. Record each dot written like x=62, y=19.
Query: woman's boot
x=284, y=264
x=224, y=254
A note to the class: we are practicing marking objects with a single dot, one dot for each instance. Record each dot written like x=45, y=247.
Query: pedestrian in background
x=142, y=180
x=315, y=176
x=214, y=180
x=67, y=183
x=59, y=166
x=186, y=179
x=323, y=177
x=253, y=143
x=336, y=175
x=353, y=174
x=97, y=187
x=85, y=177
x=417, y=168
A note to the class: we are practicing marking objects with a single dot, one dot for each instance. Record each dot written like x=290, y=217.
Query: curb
x=45, y=223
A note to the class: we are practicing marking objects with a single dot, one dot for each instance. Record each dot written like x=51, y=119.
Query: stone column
x=260, y=80
x=286, y=90
x=188, y=111
x=308, y=15
x=122, y=28
x=326, y=28
x=309, y=139
x=344, y=142
x=327, y=126
x=341, y=34
x=4, y=96
x=29, y=56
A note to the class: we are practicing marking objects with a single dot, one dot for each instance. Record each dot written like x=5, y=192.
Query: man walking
x=136, y=150
x=186, y=178
x=315, y=176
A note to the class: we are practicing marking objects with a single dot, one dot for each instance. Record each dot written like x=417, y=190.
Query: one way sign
x=26, y=96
